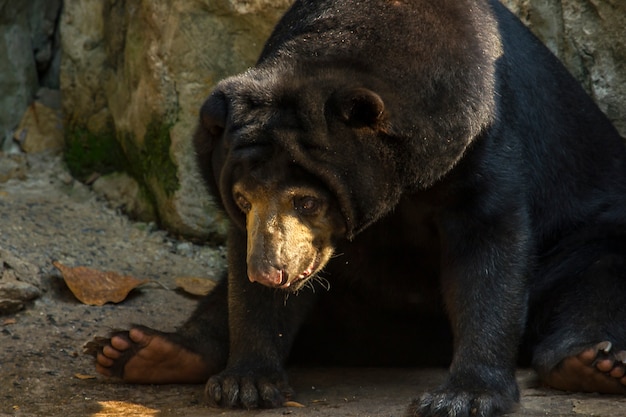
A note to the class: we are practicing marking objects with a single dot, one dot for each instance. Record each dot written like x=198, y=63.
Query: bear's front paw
x=451, y=401
x=232, y=390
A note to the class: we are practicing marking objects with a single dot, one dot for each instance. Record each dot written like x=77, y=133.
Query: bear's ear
x=213, y=115
x=359, y=107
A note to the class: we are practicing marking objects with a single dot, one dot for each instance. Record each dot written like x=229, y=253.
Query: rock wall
x=134, y=73
x=29, y=71
x=138, y=71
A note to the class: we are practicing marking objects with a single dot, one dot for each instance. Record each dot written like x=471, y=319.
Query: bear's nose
x=272, y=277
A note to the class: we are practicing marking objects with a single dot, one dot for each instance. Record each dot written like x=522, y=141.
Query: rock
x=29, y=57
x=49, y=97
x=16, y=290
x=12, y=167
x=14, y=268
x=8, y=306
x=124, y=192
x=41, y=129
x=19, y=282
x=143, y=72
x=44, y=15
x=18, y=72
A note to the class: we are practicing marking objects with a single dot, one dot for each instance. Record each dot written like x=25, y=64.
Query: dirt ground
x=48, y=216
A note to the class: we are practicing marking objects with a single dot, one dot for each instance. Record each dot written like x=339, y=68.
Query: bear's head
x=287, y=161
x=299, y=161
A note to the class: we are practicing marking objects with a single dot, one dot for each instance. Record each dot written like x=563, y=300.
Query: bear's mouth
x=297, y=283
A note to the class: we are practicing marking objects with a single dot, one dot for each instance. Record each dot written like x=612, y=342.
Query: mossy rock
x=151, y=162
x=89, y=155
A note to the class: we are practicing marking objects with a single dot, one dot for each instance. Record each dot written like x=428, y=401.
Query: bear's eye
x=243, y=204
x=307, y=205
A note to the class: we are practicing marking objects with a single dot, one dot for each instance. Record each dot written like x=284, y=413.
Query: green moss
x=87, y=153
x=150, y=164
x=153, y=161
x=156, y=161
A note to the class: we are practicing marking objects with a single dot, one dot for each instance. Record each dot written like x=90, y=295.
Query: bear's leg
x=580, y=326
x=485, y=292
x=193, y=353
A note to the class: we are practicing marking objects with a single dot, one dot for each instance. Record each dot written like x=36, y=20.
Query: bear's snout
x=270, y=277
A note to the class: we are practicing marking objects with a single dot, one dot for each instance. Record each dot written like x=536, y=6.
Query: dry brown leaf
x=293, y=404
x=95, y=287
x=83, y=376
x=6, y=322
x=195, y=286
x=123, y=408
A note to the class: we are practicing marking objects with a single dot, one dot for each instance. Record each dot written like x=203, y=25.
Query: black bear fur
x=475, y=184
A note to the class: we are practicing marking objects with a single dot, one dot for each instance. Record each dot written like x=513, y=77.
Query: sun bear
x=406, y=179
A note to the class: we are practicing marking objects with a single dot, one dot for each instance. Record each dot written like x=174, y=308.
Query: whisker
x=323, y=282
